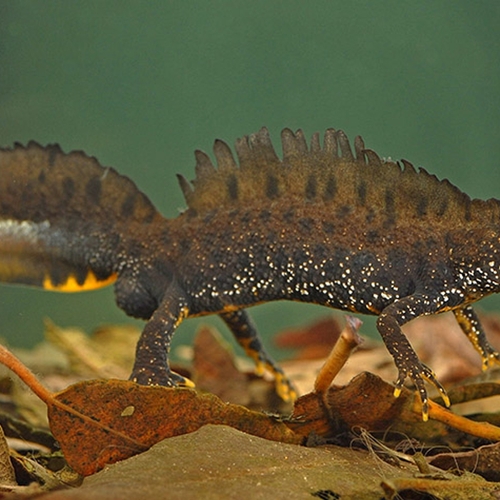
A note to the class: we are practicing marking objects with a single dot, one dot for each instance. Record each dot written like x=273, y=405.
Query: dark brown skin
x=321, y=225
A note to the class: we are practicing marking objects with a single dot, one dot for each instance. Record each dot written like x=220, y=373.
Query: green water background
x=140, y=85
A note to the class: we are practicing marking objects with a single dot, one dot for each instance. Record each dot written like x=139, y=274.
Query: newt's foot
x=418, y=373
x=163, y=377
x=489, y=359
x=285, y=389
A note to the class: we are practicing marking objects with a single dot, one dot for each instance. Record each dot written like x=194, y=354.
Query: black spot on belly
x=41, y=177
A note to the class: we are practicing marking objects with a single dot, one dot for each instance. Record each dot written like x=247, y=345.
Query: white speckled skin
x=321, y=225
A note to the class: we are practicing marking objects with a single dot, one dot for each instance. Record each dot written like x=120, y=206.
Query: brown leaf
x=100, y=422
x=103, y=421
x=219, y=462
x=313, y=340
x=214, y=368
x=369, y=402
x=7, y=475
x=441, y=344
x=91, y=356
x=484, y=461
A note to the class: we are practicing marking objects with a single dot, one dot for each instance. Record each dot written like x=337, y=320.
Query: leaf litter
x=99, y=422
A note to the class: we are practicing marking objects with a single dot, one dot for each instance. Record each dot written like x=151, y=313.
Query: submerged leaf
x=100, y=422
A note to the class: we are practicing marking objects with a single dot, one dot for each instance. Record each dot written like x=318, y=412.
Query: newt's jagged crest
x=41, y=183
x=327, y=174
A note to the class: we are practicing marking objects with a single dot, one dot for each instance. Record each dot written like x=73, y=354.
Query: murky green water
x=142, y=84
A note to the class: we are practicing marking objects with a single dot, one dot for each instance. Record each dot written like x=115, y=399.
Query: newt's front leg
x=246, y=335
x=389, y=325
x=151, y=360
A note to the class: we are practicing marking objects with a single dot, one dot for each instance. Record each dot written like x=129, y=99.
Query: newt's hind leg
x=471, y=326
x=246, y=335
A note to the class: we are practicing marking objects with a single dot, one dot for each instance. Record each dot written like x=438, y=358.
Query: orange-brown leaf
x=99, y=422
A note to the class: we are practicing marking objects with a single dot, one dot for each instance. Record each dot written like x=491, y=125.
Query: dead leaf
x=7, y=475
x=441, y=344
x=220, y=462
x=484, y=461
x=84, y=354
x=214, y=368
x=34, y=471
x=311, y=341
x=100, y=422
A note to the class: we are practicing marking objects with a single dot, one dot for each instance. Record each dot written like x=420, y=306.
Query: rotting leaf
x=7, y=475
x=311, y=341
x=100, y=422
x=86, y=354
x=214, y=368
x=484, y=461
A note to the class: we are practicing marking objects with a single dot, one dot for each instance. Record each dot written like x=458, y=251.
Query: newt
x=322, y=224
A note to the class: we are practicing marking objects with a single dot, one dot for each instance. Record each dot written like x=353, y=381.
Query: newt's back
x=324, y=225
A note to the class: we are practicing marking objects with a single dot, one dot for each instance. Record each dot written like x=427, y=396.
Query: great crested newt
x=322, y=224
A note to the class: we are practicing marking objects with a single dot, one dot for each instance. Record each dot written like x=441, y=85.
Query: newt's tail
x=60, y=216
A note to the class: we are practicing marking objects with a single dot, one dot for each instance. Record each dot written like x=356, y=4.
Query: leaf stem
x=25, y=374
